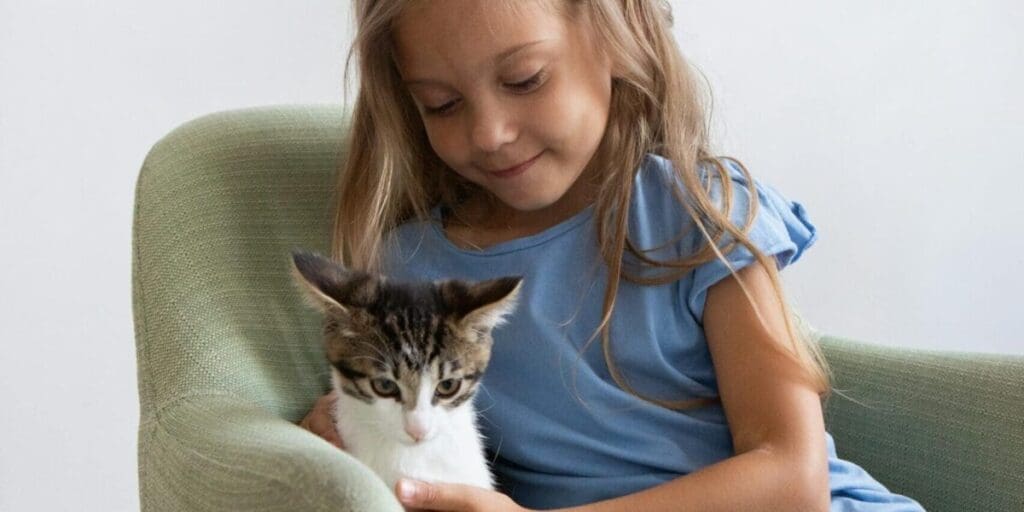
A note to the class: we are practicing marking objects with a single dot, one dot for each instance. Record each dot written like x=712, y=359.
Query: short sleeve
x=780, y=229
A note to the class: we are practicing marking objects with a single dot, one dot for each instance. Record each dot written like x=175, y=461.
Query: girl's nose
x=492, y=128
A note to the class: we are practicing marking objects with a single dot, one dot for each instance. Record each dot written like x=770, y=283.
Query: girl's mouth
x=517, y=170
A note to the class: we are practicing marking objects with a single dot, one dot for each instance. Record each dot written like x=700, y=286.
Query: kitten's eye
x=448, y=387
x=384, y=387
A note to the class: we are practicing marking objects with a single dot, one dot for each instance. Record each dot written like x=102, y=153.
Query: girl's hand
x=320, y=420
x=453, y=498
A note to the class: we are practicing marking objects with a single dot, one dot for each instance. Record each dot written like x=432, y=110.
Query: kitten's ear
x=482, y=305
x=330, y=287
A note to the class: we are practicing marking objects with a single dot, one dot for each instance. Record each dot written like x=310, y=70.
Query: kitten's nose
x=417, y=432
x=417, y=429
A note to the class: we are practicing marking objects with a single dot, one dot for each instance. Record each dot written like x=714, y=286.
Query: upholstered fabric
x=944, y=428
x=229, y=357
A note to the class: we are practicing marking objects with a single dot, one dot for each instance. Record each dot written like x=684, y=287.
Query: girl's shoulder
x=659, y=172
x=658, y=198
x=661, y=191
x=659, y=186
x=780, y=228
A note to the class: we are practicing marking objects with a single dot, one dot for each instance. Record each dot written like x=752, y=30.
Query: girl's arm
x=774, y=416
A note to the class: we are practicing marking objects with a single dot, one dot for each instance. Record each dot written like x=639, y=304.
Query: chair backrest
x=219, y=204
x=944, y=428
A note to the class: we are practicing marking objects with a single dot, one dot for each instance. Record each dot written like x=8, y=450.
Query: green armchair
x=229, y=358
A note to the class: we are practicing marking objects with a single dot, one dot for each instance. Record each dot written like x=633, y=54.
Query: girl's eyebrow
x=511, y=51
x=501, y=56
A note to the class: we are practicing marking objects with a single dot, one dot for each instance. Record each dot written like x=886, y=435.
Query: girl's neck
x=483, y=220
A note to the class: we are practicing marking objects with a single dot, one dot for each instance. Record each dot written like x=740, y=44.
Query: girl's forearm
x=758, y=480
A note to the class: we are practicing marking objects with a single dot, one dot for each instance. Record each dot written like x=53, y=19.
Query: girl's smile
x=516, y=170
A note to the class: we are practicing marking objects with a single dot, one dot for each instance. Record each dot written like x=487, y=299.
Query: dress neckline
x=515, y=244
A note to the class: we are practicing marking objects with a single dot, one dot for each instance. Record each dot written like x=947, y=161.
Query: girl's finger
x=437, y=496
x=332, y=436
x=328, y=428
x=320, y=420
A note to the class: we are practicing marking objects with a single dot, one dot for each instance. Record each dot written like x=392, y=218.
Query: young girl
x=653, y=363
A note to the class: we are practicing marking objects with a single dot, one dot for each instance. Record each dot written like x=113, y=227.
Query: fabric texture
x=228, y=355
x=229, y=358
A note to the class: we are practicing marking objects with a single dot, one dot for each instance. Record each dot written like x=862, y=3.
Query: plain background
x=898, y=125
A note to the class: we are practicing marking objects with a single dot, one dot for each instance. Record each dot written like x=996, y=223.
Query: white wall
x=899, y=126
x=85, y=89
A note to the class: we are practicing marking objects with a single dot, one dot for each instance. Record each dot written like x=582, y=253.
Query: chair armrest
x=220, y=453
x=220, y=202
x=945, y=428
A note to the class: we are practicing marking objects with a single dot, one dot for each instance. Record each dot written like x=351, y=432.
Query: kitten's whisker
x=371, y=358
x=375, y=348
x=497, y=450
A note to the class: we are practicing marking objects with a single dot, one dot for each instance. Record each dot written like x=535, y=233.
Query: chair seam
x=174, y=401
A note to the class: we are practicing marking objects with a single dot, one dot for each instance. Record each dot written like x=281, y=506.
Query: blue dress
x=560, y=431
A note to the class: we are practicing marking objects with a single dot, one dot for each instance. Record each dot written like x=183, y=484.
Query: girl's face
x=497, y=88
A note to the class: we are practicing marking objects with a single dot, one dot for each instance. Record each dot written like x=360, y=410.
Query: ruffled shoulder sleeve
x=780, y=229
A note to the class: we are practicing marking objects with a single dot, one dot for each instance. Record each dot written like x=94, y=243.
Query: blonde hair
x=392, y=174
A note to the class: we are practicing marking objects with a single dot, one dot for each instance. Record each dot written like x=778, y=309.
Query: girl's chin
x=528, y=204
x=526, y=197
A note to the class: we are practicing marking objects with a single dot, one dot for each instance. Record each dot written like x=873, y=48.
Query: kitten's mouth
x=409, y=442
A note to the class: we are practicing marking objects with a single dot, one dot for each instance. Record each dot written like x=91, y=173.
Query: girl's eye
x=384, y=387
x=448, y=387
x=519, y=87
x=442, y=110
x=529, y=84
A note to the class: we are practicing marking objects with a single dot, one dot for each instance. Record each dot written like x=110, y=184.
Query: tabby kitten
x=406, y=360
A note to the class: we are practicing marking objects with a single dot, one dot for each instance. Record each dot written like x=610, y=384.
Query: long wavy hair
x=392, y=175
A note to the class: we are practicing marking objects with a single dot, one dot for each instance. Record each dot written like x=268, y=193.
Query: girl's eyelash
x=443, y=109
x=521, y=87
x=439, y=111
x=528, y=83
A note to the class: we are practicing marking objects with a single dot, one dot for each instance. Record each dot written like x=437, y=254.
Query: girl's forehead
x=434, y=35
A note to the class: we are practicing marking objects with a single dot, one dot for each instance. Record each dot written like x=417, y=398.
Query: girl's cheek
x=442, y=141
x=452, y=150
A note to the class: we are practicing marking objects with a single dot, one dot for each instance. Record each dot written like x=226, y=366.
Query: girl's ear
x=482, y=305
x=329, y=287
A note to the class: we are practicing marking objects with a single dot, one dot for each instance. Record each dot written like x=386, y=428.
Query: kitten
x=406, y=359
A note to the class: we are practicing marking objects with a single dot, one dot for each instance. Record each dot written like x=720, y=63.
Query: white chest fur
x=454, y=455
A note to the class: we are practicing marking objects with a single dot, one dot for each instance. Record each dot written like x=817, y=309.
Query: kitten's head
x=412, y=352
